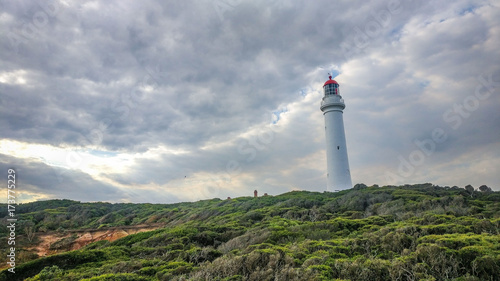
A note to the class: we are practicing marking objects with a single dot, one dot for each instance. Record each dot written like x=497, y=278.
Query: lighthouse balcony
x=332, y=101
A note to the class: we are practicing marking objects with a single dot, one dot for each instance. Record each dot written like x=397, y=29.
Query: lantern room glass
x=331, y=89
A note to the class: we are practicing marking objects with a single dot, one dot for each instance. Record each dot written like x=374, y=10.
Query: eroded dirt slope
x=74, y=240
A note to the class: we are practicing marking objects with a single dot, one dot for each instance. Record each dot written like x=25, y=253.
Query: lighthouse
x=332, y=105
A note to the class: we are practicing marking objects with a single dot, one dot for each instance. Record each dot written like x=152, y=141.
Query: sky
x=168, y=101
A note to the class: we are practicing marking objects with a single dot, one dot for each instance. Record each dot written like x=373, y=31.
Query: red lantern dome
x=330, y=81
x=331, y=87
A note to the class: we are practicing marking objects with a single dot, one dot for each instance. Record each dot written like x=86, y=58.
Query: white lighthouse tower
x=332, y=105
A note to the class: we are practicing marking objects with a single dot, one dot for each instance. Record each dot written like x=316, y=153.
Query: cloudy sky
x=167, y=101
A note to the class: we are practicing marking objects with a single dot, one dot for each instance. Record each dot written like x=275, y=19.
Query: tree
x=484, y=188
x=29, y=229
x=470, y=189
x=359, y=186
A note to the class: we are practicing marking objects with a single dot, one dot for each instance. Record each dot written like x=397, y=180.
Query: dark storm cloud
x=91, y=60
x=39, y=180
x=36, y=180
x=131, y=77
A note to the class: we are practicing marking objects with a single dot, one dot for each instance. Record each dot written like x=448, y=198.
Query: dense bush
x=412, y=232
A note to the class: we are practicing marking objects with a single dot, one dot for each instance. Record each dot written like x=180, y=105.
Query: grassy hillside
x=418, y=232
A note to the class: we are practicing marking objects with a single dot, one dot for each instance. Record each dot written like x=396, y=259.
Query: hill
x=411, y=232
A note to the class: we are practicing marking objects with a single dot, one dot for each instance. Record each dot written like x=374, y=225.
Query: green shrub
x=48, y=273
x=118, y=277
x=135, y=238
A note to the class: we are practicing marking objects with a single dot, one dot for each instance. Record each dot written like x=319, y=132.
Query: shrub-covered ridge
x=417, y=232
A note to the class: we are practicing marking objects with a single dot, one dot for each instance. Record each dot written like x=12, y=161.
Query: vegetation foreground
x=417, y=232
